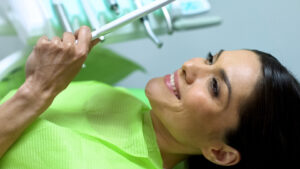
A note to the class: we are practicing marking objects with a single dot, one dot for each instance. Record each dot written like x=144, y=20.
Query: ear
x=223, y=155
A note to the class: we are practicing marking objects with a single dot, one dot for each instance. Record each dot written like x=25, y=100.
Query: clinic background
x=269, y=25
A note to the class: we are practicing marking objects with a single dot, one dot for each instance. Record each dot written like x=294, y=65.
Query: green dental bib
x=90, y=125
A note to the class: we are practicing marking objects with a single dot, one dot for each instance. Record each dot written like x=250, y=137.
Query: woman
x=237, y=108
x=267, y=134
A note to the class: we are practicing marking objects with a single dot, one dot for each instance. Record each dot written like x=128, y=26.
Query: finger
x=43, y=39
x=56, y=40
x=68, y=38
x=94, y=43
x=42, y=42
x=84, y=37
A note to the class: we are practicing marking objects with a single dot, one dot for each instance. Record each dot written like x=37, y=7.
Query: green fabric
x=138, y=93
x=89, y=125
x=106, y=66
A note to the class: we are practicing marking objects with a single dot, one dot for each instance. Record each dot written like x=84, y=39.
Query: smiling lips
x=171, y=81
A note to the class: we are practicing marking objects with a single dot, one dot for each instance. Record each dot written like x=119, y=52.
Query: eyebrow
x=224, y=77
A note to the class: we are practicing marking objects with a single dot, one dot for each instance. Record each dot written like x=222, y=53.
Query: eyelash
x=210, y=58
x=213, y=83
x=215, y=87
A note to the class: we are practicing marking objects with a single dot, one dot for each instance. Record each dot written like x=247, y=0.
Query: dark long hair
x=268, y=134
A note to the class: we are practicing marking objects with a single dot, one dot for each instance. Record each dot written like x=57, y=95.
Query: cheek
x=198, y=100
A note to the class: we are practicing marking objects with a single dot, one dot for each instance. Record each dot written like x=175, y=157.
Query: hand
x=53, y=64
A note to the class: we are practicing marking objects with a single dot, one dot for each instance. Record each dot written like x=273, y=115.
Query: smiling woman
x=237, y=108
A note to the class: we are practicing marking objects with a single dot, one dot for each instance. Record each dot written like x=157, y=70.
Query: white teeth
x=172, y=80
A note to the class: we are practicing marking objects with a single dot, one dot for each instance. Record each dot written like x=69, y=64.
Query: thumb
x=94, y=43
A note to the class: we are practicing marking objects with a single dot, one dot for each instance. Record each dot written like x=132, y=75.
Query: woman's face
x=199, y=102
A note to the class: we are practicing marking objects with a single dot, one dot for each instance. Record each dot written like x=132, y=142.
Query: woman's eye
x=215, y=87
x=210, y=58
x=214, y=83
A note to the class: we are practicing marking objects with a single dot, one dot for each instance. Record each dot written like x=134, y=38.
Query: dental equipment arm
x=147, y=25
x=118, y=23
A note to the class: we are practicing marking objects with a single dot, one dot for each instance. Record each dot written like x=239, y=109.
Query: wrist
x=35, y=94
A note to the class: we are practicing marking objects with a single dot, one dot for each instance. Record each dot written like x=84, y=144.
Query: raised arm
x=49, y=69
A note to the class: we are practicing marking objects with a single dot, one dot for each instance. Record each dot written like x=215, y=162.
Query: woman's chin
x=153, y=88
x=159, y=95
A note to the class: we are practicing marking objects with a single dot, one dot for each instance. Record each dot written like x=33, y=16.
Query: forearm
x=49, y=69
x=19, y=112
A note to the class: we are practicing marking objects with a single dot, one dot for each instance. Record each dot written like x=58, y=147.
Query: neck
x=170, y=149
x=171, y=160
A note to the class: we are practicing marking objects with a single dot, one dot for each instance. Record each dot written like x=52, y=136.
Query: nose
x=194, y=69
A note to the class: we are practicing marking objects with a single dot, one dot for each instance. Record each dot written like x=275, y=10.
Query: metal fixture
x=146, y=22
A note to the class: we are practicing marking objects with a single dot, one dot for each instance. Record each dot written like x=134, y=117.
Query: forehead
x=243, y=69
